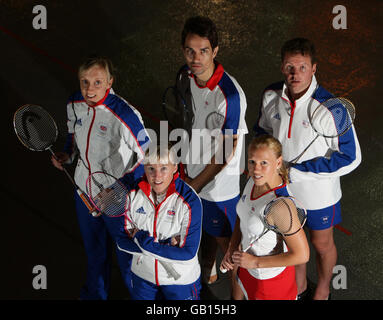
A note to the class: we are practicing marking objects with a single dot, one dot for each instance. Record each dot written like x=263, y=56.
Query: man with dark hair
x=299, y=45
x=203, y=27
x=315, y=179
x=216, y=103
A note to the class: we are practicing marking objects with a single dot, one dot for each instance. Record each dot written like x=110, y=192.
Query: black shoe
x=305, y=295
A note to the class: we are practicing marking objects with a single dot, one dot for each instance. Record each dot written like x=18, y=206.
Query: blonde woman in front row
x=266, y=271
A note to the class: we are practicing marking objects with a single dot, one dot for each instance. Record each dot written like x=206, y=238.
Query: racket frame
x=311, y=116
x=268, y=227
x=82, y=195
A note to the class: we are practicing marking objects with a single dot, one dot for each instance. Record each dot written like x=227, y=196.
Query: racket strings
x=214, y=120
x=284, y=217
x=108, y=194
x=171, y=102
x=35, y=127
x=339, y=111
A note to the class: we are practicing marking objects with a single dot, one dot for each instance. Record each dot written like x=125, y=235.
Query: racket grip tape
x=223, y=270
x=86, y=201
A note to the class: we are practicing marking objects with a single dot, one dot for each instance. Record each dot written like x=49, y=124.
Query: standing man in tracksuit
x=107, y=134
x=315, y=179
x=216, y=103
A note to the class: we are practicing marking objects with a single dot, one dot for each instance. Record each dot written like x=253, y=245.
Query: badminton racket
x=112, y=198
x=214, y=120
x=175, y=109
x=330, y=119
x=283, y=215
x=37, y=131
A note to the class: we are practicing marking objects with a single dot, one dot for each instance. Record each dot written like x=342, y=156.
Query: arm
x=118, y=229
x=190, y=236
x=69, y=153
x=298, y=253
x=227, y=262
x=213, y=168
x=134, y=136
x=345, y=157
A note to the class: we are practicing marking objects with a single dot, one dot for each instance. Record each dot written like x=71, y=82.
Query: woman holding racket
x=106, y=134
x=162, y=224
x=266, y=270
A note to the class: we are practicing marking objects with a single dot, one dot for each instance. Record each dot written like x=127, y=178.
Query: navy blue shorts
x=219, y=217
x=324, y=218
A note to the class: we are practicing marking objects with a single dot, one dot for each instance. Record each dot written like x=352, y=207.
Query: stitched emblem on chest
x=171, y=212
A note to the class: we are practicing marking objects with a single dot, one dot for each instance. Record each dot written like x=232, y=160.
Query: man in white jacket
x=315, y=178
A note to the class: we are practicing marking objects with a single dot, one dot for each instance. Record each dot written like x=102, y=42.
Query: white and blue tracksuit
x=221, y=95
x=315, y=179
x=110, y=137
x=178, y=215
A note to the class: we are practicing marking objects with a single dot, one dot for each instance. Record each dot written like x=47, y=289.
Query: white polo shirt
x=222, y=99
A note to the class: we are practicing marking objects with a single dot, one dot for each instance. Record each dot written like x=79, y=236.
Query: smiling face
x=159, y=176
x=297, y=70
x=199, y=56
x=94, y=82
x=263, y=166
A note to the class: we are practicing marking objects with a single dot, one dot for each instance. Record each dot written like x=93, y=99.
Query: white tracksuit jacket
x=316, y=177
x=179, y=214
x=109, y=136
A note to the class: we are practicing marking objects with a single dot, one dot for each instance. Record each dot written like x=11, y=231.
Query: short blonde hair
x=161, y=153
x=272, y=143
x=102, y=62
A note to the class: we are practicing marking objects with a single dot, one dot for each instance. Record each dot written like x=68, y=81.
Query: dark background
x=39, y=225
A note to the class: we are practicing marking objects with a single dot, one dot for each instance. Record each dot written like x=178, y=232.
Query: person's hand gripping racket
x=283, y=215
x=37, y=131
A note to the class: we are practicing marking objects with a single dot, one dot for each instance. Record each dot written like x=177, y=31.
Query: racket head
x=108, y=194
x=214, y=120
x=285, y=215
x=35, y=127
x=171, y=107
x=333, y=117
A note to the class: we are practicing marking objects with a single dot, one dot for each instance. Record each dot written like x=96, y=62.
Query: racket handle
x=86, y=201
x=170, y=270
x=223, y=270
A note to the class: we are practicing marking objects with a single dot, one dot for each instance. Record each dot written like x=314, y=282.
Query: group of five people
x=171, y=214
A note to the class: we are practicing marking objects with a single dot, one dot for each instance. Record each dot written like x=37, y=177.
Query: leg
x=208, y=256
x=320, y=223
x=125, y=262
x=182, y=292
x=97, y=245
x=124, y=259
x=301, y=278
x=236, y=291
x=144, y=290
x=326, y=256
x=218, y=224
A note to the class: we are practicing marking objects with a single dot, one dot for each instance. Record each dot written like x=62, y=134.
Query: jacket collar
x=306, y=96
x=214, y=79
x=110, y=90
x=144, y=185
